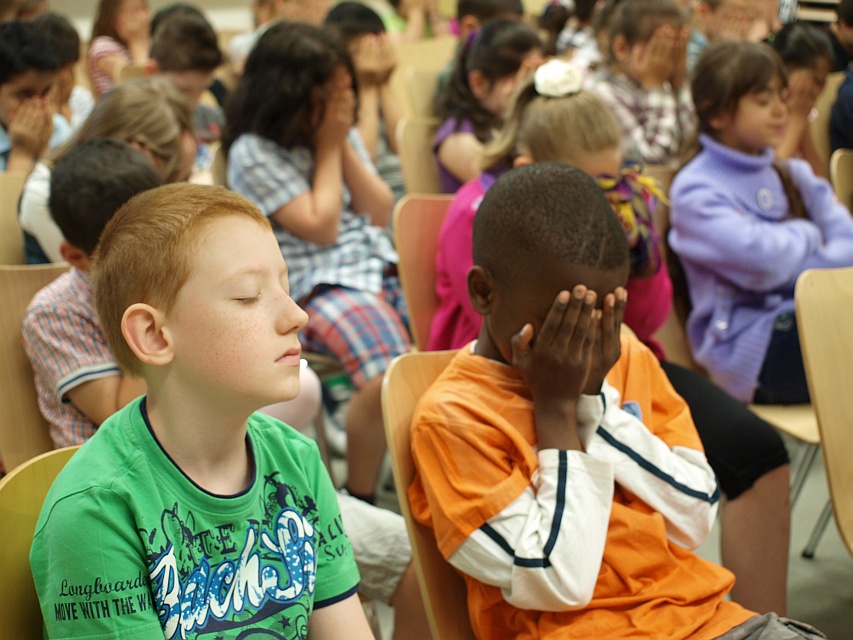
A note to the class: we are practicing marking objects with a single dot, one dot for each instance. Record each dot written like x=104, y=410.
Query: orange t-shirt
x=473, y=440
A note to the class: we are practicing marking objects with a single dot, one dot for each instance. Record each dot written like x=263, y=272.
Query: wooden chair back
x=418, y=88
x=841, y=175
x=11, y=237
x=23, y=430
x=414, y=145
x=417, y=222
x=219, y=165
x=824, y=299
x=442, y=588
x=820, y=125
x=124, y=71
x=22, y=493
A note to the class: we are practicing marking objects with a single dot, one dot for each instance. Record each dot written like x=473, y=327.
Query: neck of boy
x=205, y=439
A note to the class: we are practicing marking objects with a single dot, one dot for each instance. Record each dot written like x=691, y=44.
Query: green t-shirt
x=128, y=546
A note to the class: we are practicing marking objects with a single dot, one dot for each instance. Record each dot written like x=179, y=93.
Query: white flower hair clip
x=557, y=78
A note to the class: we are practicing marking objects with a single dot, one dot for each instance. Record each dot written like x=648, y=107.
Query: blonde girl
x=553, y=119
x=150, y=114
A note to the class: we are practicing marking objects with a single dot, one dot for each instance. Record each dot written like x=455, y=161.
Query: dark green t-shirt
x=128, y=546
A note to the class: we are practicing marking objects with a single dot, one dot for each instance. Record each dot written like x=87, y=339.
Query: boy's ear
x=151, y=67
x=480, y=289
x=719, y=121
x=479, y=84
x=74, y=256
x=143, y=328
x=620, y=48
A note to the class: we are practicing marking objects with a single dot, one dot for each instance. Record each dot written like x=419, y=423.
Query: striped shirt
x=655, y=122
x=271, y=176
x=66, y=345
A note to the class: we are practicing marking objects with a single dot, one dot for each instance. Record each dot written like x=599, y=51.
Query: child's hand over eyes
x=607, y=346
x=803, y=90
x=654, y=59
x=555, y=364
x=339, y=116
x=31, y=127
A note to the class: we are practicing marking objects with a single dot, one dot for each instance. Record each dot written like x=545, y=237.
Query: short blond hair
x=557, y=129
x=146, y=251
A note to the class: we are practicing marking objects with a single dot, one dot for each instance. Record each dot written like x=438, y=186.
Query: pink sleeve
x=649, y=302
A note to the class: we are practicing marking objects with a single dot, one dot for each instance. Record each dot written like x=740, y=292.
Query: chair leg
x=817, y=532
x=802, y=472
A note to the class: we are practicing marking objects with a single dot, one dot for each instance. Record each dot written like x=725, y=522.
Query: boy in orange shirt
x=569, y=502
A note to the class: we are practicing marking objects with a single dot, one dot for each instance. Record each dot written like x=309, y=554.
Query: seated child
x=72, y=101
x=78, y=381
x=745, y=226
x=80, y=384
x=121, y=34
x=185, y=51
x=202, y=514
x=150, y=114
x=28, y=69
x=807, y=55
x=553, y=119
x=471, y=15
x=487, y=71
x=644, y=82
x=560, y=473
x=293, y=150
x=374, y=58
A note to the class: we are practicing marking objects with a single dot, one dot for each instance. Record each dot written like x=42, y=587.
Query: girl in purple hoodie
x=745, y=225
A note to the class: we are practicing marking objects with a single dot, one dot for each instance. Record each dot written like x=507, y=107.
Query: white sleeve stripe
x=85, y=374
x=559, y=508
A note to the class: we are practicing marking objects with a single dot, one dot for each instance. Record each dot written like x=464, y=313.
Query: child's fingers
x=520, y=344
x=621, y=303
x=582, y=326
x=554, y=319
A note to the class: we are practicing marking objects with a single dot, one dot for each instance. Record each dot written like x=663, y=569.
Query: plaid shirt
x=271, y=176
x=655, y=122
x=66, y=345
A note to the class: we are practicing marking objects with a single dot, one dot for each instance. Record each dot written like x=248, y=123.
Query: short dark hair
x=185, y=42
x=844, y=11
x=801, y=45
x=24, y=46
x=485, y=10
x=178, y=8
x=276, y=98
x=353, y=19
x=548, y=209
x=62, y=34
x=91, y=182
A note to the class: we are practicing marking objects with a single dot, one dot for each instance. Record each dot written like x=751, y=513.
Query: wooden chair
x=442, y=588
x=414, y=144
x=820, y=125
x=841, y=175
x=11, y=237
x=219, y=165
x=823, y=302
x=23, y=430
x=418, y=92
x=417, y=221
x=22, y=493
